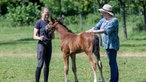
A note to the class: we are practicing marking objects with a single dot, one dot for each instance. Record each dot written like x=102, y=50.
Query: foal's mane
x=65, y=26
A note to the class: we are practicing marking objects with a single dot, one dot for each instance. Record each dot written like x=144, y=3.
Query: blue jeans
x=112, y=55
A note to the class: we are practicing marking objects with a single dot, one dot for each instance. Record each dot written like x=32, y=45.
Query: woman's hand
x=41, y=38
x=91, y=30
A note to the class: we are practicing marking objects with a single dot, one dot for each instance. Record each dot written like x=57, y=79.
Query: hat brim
x=102, y=10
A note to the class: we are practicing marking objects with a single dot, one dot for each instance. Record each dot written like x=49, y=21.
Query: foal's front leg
x=74, y=69
x=66, y=66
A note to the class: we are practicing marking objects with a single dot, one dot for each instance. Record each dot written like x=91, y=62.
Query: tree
x=123, y=5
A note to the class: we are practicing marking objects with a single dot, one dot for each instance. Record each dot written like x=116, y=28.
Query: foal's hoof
x=77, y=81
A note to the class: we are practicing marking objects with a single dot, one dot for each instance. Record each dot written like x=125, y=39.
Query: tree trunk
x=144, y=12
x=124, y=22
x=124, y=18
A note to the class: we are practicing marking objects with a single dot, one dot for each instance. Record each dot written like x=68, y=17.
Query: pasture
x=18, y=59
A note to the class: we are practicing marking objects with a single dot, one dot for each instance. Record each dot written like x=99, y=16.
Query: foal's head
x=54, y=22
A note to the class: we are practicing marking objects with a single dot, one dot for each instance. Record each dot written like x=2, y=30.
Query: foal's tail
x=96, y=48
x=96, y=51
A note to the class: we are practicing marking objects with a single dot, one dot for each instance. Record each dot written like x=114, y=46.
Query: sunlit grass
x=22, y=69
x=15, y=40
x=18, y=57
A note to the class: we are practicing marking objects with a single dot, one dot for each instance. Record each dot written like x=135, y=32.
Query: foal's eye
x=50, y=23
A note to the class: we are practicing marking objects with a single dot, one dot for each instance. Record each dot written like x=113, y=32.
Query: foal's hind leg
x=96, y=50
x=93, y=65
x=73, y=58
x=99, y=63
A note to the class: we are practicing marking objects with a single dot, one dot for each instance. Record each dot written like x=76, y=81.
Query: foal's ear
x=52, y=20
x=60, y=19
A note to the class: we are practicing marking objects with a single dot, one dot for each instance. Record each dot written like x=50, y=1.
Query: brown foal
x=71, y=44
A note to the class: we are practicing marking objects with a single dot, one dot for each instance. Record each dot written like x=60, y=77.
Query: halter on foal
x=71, y=44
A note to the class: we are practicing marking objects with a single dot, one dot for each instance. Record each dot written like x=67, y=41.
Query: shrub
x=71, y=20
x=92, y=18
x=23, y=14
x=139, y=27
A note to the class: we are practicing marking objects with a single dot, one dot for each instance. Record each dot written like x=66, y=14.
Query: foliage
x=88, y=19
x=5, y=3
x=23, y=14
x=76, y=12
x=142, y=4
x=92, y=18
x=115, y=6
x=69, y=7
x=136, y=22
x=139, y=27
x=71, y=20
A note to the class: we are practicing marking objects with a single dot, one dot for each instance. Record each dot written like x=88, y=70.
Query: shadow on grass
x=138, y=39
x=133, y=45
x=26, y=39
x=19, y=41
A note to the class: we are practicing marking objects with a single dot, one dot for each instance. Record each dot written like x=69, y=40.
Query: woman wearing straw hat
x=108, y=28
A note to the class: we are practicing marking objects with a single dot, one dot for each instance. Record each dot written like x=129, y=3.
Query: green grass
x=22, y=69
x=20, y=40
x=16, y=40
x=18, y=57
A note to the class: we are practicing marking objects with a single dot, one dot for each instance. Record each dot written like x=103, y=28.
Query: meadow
x=22, y=69
x=18, y=58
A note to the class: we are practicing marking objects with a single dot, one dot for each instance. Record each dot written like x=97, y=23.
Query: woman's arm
x=99, y=31
x=96, y=31
x=35, y=35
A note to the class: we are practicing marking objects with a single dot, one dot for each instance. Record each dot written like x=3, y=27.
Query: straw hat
x=107, y=8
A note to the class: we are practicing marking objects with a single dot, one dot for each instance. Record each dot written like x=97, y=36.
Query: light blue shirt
x=110, y=38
